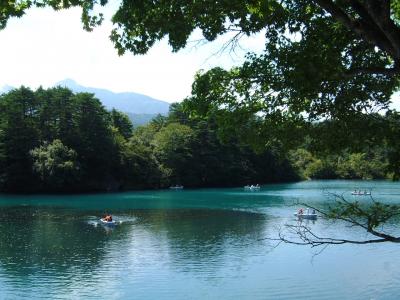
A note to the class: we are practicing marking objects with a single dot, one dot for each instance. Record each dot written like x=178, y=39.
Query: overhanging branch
x=373, y=24
x=352, y=213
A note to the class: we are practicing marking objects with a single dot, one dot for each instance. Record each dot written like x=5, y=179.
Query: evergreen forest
x=53, y=140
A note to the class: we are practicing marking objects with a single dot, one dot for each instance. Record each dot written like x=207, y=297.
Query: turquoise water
x=190, y=244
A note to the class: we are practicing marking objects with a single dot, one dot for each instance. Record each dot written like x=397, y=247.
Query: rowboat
x=176, y=187
x=301, y=214
x=108, y=223
x=252, y=187
x=309, y=216
x=361, y=193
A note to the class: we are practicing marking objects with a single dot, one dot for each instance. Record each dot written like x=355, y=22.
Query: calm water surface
x=190, y=244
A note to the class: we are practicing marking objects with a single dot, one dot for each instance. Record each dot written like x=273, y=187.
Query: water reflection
x=204, y=244
x=36, y=240
x=60, y=248
x=202, y=237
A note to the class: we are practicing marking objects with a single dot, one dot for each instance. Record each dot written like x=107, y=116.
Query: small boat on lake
x=301, y=214
x=252, y=187
x=176, y=187
x=360, y=193
x=107, y=222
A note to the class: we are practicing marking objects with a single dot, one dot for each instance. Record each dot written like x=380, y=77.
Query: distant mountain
x=140, y=119
x=130, y=103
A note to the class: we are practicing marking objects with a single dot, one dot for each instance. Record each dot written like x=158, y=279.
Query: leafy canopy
x=323, y=59
x=17, y=8
x=55, y=163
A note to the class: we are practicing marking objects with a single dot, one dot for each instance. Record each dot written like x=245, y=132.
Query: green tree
x=122, y=122
x=301, y=159
x=223, y=160
x=320, y=169
x=19, y=125
x=55, y=114
x=2, y=160
x=45, y=133
x=93, y=139
x=172, y=147
x=141, y=167
x=56, y=165
x=362, y=166
x=393, y=143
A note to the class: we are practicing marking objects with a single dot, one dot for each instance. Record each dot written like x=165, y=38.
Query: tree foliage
x=122, y=122
x=56, y=164
x=55, y=140
x=17, y=8
x=359, y=36
x=36, y=119
x=366, y=165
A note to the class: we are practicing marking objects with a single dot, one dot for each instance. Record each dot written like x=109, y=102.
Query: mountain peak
x=67, y=83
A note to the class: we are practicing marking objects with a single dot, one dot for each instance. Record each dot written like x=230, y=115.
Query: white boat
x=176, y=187
x=252, y=187
x=108, y=223
x=361, y=193
x=306, y=214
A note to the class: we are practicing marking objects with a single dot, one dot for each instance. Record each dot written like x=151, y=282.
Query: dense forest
x=56, y=141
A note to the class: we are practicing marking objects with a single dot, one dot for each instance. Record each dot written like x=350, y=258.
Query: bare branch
x=353, y=214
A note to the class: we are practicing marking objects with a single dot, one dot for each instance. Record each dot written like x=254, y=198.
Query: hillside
x=128, y=102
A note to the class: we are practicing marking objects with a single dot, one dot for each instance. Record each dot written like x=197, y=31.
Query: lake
x=189, y=244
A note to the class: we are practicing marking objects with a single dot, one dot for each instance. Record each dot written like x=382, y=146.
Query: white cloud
x=45, y=46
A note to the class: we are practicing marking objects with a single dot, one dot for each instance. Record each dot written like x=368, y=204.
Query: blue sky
x=45, y=47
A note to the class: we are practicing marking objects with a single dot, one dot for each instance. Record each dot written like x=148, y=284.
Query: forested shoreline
x=56, y=141
x=52, y=140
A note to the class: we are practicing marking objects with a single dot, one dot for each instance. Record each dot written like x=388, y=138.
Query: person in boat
x=313, y=211
x=300, y=212
x=108, y=218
